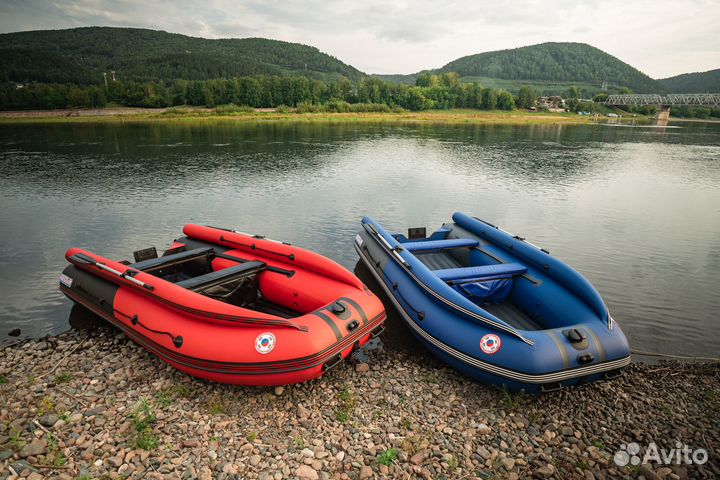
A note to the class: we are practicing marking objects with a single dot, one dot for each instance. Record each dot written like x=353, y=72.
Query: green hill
x=699, y=82
x=408, y=79
x=81, y=55
x=554, y=63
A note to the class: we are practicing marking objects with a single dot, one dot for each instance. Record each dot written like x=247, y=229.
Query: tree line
x=259, y=91
x=441, y=91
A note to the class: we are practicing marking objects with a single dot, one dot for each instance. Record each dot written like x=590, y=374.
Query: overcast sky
x=659, y=37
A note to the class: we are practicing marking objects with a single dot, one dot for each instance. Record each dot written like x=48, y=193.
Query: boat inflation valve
x=575, y=335
x=577, y=338
x=340, y=310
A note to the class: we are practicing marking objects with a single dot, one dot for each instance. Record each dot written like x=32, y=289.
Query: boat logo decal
x=490, y=343
x=65, y=280
x=265, y=342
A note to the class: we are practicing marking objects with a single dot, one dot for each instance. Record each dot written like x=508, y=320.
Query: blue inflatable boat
x=495, y=306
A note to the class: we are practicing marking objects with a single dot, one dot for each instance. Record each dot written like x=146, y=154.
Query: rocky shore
x=95, y=405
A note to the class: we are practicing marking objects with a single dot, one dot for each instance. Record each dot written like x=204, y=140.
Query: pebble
x=366, y=472
x=419, y=457
x=508, y=463
x=37, y=446
x=484, y=452
x=440, y=423
x=648, y=472
x=545, y=471
x=48, y=420
x=304, y=471
x=663, y=472
x=362, y=368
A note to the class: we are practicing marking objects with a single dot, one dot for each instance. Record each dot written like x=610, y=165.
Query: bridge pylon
x=663, y=113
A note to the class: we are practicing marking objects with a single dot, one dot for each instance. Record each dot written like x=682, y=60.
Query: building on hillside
x=553, y=103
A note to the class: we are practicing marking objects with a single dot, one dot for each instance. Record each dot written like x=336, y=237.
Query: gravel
x=94, y=404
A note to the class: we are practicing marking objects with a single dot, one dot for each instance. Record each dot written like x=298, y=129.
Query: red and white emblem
x=490, y=343
x=265, y=342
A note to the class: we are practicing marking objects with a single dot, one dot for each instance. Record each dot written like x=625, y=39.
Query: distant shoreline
x=457, y=116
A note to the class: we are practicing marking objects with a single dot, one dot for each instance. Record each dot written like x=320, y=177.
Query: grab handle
x=127, y=274
x=334, y=361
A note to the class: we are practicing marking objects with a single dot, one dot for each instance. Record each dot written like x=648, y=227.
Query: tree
x=449, y=79
x=505, y=100
x=527, y=97
x=489, y=98
x=414, y=99
x=423, y=80
x=573, y=93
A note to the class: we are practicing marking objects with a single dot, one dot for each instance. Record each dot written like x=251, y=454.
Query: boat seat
x=223, y=276
x=429, y=245
x=175, y=258
x=500, y=270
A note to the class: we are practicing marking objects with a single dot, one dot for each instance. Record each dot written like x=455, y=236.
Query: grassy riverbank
x=460, y=116
x=95, y=405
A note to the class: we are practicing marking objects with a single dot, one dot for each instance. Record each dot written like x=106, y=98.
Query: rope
x=666, y=355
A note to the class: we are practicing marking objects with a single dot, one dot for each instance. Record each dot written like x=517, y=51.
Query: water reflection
x=634, y=209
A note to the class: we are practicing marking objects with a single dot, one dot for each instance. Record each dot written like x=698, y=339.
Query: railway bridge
x=664, y=102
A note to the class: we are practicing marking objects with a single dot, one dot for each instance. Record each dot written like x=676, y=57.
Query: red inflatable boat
x=231, y=307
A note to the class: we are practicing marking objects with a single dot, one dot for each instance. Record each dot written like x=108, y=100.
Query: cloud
x=659, y=37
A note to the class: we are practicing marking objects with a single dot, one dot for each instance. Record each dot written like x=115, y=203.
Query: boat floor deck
x=271, y=308
x=512, y=315
x=506, y=311
x=438, y=260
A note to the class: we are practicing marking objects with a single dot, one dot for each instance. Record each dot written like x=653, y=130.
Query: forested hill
x=81, y=55
x=561, y=62
x=701, y=82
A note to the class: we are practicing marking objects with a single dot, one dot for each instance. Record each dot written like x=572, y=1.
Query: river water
x=635, y=209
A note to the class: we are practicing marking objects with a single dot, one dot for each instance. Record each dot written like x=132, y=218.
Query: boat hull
x=219, y=342
x=534, y=361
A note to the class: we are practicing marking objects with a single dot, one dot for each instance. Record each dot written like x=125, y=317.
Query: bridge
x=665, y=101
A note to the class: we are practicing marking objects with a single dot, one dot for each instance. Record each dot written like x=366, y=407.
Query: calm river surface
x=635, y=209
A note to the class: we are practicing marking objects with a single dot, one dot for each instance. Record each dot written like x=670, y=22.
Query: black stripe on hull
x=331, y=324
